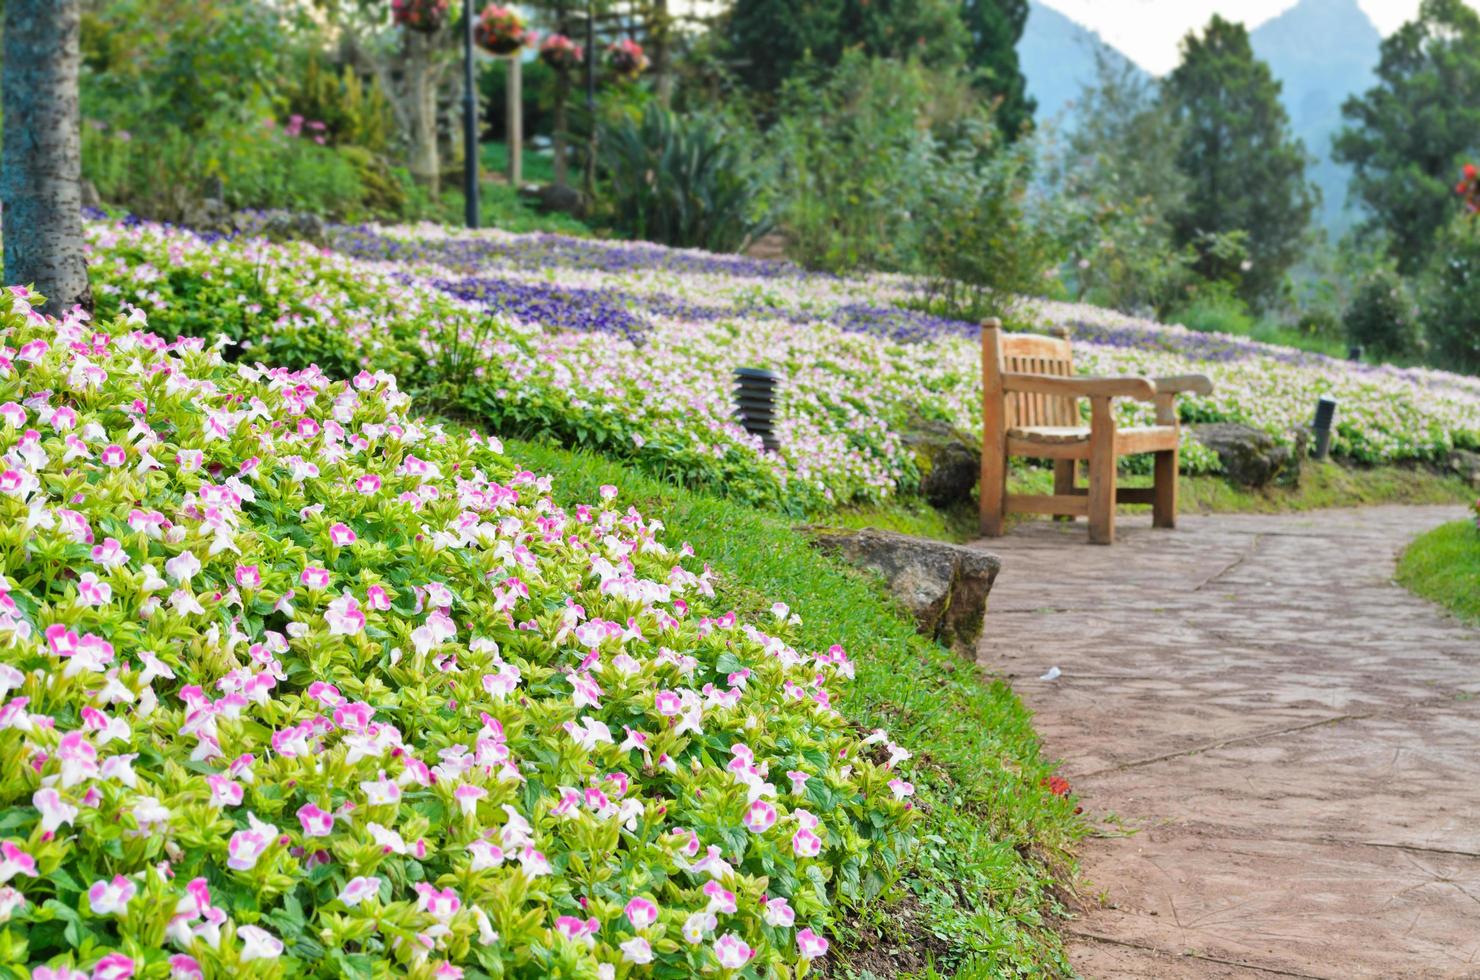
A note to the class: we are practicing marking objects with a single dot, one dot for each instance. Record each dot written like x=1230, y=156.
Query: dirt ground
x=1280, y=746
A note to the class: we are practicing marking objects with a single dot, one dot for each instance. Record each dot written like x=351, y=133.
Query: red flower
x=1057, y=785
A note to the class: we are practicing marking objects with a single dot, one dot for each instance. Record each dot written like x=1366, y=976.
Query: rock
x=208, y=214
x=1250, y=456
x=944, y=586
x=561, y=198
x=282, y=226
x=950, y=461
x=1466, y=465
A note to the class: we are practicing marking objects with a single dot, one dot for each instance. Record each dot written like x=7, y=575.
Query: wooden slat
x=1028, y=448
x=1128, y=443
x=1135, y=495
x=1076, y=505
x=1033, y=345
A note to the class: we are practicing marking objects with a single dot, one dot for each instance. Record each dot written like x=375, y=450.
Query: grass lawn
x=500, y=206
x=980, y=895
x=538, y=168
x=1444, y=565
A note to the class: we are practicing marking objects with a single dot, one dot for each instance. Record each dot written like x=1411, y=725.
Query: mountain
x=1057, y=56
x=1322, y=51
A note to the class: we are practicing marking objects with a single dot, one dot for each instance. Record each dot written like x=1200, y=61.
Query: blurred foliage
x=1409, y=134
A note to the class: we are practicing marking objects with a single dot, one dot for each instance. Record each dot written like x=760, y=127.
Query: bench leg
x=993, y=494
x=1101, y=472
x=1063, y=482
x=1164, y=507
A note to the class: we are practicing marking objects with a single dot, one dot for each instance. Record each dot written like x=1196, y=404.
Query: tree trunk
x=561, y=137
x=658, y=32
x=41, y=152
x=422, y=73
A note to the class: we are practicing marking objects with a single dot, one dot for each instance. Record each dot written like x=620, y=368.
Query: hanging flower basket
x=426, y=16
x=500, y=30
x=561, y=53
x=625, y=58
x=1469, y=188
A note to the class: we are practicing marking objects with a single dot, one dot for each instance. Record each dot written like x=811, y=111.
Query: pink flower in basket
x=626, y=59
x=560, y=52
x=500, y=30
x=420, y=15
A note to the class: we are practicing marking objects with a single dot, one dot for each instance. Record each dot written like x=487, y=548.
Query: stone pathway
x=1281, y=746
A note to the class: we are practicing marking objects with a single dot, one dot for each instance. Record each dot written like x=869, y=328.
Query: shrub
x=1215, y=307
x=301, y=685
x=680, y=180
x=1451, y=297
x=1381, y=317
x=980, y=252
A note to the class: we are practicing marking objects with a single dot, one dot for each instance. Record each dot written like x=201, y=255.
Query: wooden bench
x=1030, y=408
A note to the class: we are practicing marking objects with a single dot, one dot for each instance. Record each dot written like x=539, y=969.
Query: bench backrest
x=1022, y=353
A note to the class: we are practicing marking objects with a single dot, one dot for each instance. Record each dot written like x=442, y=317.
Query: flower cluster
x=629, y=347
x=1469, y=188
x=294, y=683
x=420, y=15
x=560, y=52
x=625, y=58
x=501, y=30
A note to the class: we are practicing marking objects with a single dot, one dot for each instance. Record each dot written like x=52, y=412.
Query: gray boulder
x=1465, y=465
x=1250, y=457
x=282, y=226
x=950, y=462
x=560, y=199
x=944, y=586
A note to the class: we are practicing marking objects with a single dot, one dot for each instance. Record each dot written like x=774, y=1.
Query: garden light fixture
x=755, y=403
x=1325, y=415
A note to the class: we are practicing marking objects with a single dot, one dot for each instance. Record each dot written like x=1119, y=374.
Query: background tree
x=767, y=40
x=1119, y=187
x=1411, y=131
x=1246, y=169
x=410, y=67
x=41, y=156
x=995, y=27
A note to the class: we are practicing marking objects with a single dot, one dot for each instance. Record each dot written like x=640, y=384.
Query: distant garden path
x=1294, y=739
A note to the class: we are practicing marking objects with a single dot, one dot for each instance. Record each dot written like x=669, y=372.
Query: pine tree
x=1245, y=168
x=1414, y=129
x=995, y=27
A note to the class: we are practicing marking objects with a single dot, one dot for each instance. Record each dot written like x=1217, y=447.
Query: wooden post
x=1063, y=482
x=1101, y=471
x=1164, y=479
x=994, y=433
x=514, y=121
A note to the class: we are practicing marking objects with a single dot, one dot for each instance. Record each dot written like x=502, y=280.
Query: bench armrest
x=1080, y=386
x=1191, y=384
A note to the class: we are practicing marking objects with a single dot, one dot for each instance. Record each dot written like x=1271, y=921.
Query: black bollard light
x=1325, y=416
x=1354, y=352
x=755, y=403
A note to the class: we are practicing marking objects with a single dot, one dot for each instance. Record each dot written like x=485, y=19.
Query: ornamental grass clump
x=293, y=683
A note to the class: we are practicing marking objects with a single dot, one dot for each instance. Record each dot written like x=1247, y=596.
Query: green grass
x=993, y=841
x=1444, y=566
x=538, y=168
x=500, y=206
x=1322, y=485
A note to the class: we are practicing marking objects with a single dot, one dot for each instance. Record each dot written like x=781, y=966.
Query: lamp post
x=470, y=122
x=589, y=182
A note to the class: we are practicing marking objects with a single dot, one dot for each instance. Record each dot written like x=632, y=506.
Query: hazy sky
x=1148, y=30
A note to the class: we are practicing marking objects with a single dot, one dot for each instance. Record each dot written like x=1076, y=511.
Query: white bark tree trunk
x=41, y=152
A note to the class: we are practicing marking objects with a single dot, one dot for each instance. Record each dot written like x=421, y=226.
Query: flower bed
x=628, y=348
x=298, y=684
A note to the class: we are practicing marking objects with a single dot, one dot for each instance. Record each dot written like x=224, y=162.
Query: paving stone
x=1284, y=740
